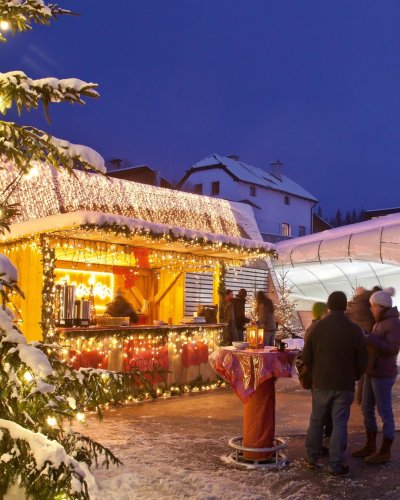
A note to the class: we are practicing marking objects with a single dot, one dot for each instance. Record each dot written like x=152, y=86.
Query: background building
x=282, y=208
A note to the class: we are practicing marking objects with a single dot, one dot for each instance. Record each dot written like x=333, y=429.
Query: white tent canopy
x=364, y=254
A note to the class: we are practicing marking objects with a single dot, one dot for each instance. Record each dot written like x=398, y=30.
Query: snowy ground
x=176, y=449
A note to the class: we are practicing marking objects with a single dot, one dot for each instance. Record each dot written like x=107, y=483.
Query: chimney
x=234, y=157
x=276, y=169
x=114, y=164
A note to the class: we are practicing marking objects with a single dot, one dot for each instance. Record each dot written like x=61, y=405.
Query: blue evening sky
x=314, y=83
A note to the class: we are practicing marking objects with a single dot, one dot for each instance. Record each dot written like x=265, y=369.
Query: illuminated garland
x=97, y=345
x=221, y=291
x=48, y=291
x=170, y=237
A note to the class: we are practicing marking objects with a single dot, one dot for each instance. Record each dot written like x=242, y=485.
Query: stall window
x=253, y=191
x=215, y=187
x=198, y=188
x=302, y=230
x=287, y=200
x=285, y=229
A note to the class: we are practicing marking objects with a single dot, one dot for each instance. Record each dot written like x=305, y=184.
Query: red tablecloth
x=252, y=374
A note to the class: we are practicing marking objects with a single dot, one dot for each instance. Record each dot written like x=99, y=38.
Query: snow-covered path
x=172, y=450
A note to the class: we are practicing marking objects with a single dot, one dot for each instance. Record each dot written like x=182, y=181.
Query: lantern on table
x=255, y=336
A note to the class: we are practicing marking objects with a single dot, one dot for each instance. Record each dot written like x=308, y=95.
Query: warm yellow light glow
x=28, y=376
x=51, y=421
x=33, y=172
x=4, y=25
x=80, y=417
x=102, y=282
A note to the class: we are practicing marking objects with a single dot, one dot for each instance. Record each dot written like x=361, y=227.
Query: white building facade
x=282, y=208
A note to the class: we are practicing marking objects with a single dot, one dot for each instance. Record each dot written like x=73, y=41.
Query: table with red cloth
x=252, y=374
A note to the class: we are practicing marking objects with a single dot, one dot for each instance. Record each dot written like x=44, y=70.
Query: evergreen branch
x=21, y=14
x=42, y=466
x=16, y=142
x=16, y=87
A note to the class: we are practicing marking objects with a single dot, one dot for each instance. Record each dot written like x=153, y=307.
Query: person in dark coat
x=266, y=317
x=383, y=348
x=239, y=305
x=228, y=317
x=336, y=354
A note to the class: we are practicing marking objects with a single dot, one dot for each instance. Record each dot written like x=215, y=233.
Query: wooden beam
x=166, y=289
x=137, y=294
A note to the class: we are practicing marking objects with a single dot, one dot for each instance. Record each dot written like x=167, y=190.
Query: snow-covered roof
x=364, y=254
x=78, y=224
x=53, y=199
x=252, y=175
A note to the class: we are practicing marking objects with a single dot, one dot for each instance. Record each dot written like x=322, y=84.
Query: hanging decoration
x=129, y=275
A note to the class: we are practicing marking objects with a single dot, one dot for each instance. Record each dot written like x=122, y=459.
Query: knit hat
x=337, y=301
x=382, y=298
x=319, y=309
x=390, y=290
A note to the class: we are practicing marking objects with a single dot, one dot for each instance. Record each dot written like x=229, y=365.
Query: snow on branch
x=44, y=459
x=16, y=86
x=24, y=145
x=20, y=14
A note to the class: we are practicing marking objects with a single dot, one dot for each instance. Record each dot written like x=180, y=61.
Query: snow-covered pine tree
x=38, y=391
x=22, y=146
x=285, y=309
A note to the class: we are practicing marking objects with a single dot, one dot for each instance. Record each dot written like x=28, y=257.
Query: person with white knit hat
x=383, y=347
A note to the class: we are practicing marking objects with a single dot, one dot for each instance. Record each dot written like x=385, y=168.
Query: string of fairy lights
x=93, y=244
x=131, y=345
x=51, y=192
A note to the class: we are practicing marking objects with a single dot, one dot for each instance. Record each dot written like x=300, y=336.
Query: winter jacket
x=239, y=304
x=266, y=316
x=310, y=329
x=336, y=353
x=358, y=311
x=384, y=345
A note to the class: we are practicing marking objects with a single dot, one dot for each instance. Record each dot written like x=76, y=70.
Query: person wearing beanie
x=358, y=310
x=383, y=348
x=336, y=355
x=318, y=311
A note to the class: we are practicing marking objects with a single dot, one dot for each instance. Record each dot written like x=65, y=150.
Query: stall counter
x=180, y=351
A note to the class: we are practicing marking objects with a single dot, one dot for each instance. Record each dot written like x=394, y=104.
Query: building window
x=253, y=191
x=215, y=187
x=302, y=230
x=198, y=188
x=285, y=229
x=287, y=200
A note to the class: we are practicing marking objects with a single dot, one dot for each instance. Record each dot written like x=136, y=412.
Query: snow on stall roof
x=70, y=220
x=255, y=175
x=52, y=192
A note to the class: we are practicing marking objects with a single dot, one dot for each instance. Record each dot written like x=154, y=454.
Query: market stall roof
x=79, y=205
x=364, y=254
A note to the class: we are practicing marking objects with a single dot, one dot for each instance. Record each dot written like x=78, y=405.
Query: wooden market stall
x=80, y=240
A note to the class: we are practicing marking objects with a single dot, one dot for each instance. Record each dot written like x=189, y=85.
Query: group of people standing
x=349, y=342
x=235, y=316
